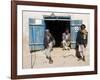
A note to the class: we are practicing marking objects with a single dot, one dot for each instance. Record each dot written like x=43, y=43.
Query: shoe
x=50, y=60
x=47, y=57
x=68, y=49
x=83, y=58
x=52, y=49
x=79, y=59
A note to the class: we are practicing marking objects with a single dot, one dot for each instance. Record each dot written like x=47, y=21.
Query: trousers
x=49, y=49
x=81, y=50
x=65, y=44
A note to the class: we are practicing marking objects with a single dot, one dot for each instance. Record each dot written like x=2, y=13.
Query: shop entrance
x=57, y=27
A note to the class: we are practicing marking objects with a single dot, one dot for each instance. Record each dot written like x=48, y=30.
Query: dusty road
x=61, y=58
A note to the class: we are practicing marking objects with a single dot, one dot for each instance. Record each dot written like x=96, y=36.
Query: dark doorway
x=57, y=27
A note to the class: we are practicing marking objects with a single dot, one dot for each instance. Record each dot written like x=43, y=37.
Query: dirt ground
x=61, y=58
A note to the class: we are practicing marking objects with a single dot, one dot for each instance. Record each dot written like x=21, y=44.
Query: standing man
x=48, y=43
x=66, y=40
x=81, y=41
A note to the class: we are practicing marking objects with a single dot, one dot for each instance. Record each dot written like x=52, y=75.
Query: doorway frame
x=57, y=18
